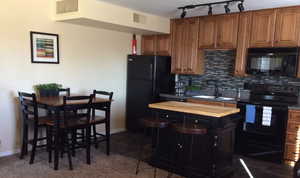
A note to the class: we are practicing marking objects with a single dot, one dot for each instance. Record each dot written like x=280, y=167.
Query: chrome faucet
x=215, y=83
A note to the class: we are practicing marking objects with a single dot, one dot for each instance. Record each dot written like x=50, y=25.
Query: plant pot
x=44, y=93
x=48, y=93
x=53, y=92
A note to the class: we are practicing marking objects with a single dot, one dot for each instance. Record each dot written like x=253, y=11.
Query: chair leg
x=24, y=141
x=107, y=135
x=88, y=145
x=155, y=172
x=35, y=137
x=69, y=152
x=95, y=136
x=140, y=154
x=56, y=149
x=49, y=144
x=74, y=134
x=139, y=160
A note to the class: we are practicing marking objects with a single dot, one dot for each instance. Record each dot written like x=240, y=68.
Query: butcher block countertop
x=197, y=109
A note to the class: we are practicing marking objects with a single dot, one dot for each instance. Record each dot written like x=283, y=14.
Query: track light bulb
x=183, y=14
x=210, y=10
x=241, y=7
x=227, y=10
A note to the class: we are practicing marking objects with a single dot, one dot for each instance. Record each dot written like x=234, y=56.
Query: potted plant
x=46, y=90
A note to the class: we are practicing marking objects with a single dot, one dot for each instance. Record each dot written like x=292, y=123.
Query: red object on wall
x=134, y=45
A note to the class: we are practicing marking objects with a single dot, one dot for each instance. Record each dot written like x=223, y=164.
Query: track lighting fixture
x=227, y=10
x=183, y=14
x=241, y=6
x=210, y=10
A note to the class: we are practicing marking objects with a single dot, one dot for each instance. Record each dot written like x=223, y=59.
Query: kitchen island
x=209, y=155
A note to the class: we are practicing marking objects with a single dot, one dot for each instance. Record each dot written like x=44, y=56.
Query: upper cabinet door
x=148, y=45
x=263, y=28
x=287, y=27
x=227, y=31
x=191, y=46
x=178, y=28
x=163, y=45
x=207, y=32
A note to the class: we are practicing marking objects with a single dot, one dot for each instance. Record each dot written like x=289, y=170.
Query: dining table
x=55, y=104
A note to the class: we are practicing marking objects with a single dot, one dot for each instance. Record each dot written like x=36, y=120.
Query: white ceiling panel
x=168, y=8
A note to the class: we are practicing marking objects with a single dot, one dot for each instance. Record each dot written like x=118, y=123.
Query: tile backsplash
x=219, y=65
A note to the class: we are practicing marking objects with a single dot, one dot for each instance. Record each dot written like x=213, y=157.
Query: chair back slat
x=28, y=105
x=77, y=107
x=109, y=95
x=66, y=91
x=104, y=93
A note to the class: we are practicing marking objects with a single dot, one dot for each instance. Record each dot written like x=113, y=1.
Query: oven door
x=259, y=141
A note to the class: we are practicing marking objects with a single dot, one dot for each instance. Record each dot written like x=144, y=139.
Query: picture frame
x=44, y=48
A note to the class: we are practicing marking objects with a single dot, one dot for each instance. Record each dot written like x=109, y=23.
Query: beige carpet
x=113, y=166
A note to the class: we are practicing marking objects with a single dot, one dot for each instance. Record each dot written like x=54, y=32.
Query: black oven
x=263, y=142
x=273, y=61
x=264, y=115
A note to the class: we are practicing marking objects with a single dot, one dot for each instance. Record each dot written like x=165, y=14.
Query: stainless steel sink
x=205, y=97
x=225, y=98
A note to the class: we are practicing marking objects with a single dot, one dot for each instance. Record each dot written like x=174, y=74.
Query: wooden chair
x=97, y=120
x=76, y=115
x=65, y=91
x=297, y=169
x=30, y=115
x=190, y=129
x=155, y=124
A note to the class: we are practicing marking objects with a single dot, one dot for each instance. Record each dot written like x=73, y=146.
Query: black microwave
x=273, y=61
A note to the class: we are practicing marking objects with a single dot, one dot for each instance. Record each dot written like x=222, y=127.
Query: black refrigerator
x=147, y=77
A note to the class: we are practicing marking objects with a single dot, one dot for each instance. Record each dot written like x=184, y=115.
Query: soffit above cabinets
x=168, y=8
x=101, y=14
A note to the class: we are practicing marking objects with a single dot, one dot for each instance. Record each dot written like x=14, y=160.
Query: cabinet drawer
x=294, y=116
x=293, y=127
x=213, y=103
x=230, y=105
x=291, y=152
x=291, y=138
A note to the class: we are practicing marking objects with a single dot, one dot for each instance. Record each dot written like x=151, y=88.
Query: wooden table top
x=197, y=109
x=58, y=101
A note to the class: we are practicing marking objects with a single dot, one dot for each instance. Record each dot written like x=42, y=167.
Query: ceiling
x=168, y=8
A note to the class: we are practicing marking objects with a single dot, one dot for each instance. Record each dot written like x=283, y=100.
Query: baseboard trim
x=8, y=153
x=12, y=152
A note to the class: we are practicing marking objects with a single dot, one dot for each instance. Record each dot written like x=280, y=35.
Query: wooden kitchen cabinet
x=287, y=31
x=156, y=45
x=263, y=28
x=242, y=44
x=227, y=31
x=148, y=44
x=218, y=32
x=207, y=32
x=212, y=103
x=163, y=47
x=292, y=139
x=186, y=57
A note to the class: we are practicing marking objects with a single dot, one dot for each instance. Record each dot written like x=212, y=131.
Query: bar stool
x=155, y=124
x=186, y=129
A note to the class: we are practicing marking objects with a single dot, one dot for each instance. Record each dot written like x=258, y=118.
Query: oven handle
x=281, y=108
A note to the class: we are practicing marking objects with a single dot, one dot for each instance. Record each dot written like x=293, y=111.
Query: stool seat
x=155, y=123
x=190, y=128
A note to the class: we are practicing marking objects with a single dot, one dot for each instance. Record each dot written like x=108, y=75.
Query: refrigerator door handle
x=151, y=71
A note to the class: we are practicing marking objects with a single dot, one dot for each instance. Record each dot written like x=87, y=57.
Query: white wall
x=89, y=59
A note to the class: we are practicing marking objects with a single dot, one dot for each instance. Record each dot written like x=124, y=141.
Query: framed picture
x=44, y=48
